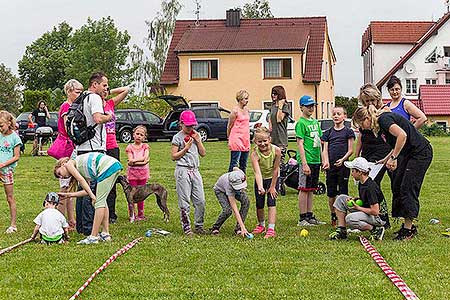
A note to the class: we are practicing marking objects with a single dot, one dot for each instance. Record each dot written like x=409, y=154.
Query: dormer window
x=432, y=57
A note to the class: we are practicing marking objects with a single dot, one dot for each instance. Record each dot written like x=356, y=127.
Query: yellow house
x=211, y=60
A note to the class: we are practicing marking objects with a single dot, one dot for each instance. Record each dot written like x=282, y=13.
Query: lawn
x=224, y=266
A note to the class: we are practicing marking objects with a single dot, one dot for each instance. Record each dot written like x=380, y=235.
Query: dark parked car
x=26, y=133
x=128, y=119
x=212, y=121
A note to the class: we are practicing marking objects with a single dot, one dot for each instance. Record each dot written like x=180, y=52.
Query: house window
x=322, y=104
x=411, y=86
x=204, y=69
x=200, y=103
x=277, y=68
x=431, y=81
x=447, y=51
x=442, y=124
x=432, y=57
x=268, y=104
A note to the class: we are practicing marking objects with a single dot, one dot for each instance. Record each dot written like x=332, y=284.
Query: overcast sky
x=23, y=21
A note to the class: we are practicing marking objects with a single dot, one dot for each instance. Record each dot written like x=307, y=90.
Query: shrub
x=433, y=130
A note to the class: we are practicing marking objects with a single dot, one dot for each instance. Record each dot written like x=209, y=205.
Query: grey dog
x=139, y=193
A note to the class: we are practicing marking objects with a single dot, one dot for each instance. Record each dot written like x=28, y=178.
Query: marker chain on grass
x=107, y=263
x=396, y=280
x=3, y=251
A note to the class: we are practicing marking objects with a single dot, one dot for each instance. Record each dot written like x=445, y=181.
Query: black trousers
x=111, y=200
x=407, y=183
x=85, y=212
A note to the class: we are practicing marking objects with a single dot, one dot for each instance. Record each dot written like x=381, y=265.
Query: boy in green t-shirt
x=308, y=133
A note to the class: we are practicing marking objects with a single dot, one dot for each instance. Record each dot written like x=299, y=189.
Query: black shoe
x=199, y=230
x=339, y=234
x=377, y=233
x=282, y=189
x=413, y=228
x=405, y=234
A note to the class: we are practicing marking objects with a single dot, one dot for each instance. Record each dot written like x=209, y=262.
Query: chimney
x=233, y=18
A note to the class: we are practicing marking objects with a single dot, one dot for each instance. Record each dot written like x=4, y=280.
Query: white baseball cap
x=359, y=163
x=237, y=180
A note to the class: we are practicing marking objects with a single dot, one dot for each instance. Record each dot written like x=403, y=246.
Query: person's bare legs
x=71, y=212
x=272, y=214
x=9, y=191
x=98, y=220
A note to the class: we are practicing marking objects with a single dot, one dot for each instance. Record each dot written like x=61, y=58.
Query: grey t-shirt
x=190, y=159
x=223, y=185
x=279, y=130
x=94, y=104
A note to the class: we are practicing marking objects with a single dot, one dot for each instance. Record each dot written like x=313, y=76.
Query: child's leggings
x=140, y=205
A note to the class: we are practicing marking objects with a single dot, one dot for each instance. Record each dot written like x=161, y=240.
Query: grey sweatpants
x=227, y=210
x=189, y=186
x=356, y=219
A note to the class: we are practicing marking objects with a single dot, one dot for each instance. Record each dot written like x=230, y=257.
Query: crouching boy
x=229, y=188
x=366, y=215
x=50, y=223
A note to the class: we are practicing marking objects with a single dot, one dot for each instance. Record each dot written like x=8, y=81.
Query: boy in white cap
x=186, y=147
x=365, y=217
x=229, y=188
x=50, y=223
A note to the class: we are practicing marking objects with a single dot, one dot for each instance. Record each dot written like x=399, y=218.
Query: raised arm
x=121, y=92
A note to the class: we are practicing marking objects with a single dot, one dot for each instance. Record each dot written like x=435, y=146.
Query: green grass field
x=224, y=266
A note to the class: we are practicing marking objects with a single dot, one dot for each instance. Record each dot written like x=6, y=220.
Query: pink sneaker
x=270, y=233
x=259, y=229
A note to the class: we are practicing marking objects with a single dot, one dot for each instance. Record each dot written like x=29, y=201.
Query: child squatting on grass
x=138, y=171
x=51, y=223
x=308, y=133
x=9, y=155
x=186, y=147
x=266, y=166
x=363, y=217
x=229, y=188
x=93, y=166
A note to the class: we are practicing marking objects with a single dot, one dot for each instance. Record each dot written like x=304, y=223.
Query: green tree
x=32, y=97
x=46, y=59
x=159, y=34
x=10, y=96
x=350, y=104
x=258, y=9
x=100, y=46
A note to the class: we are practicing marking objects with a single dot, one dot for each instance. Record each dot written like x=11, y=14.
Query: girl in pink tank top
x=238, y=132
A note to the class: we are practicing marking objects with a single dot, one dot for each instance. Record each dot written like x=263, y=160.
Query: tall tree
x=10, y=95
x=258, y=9
x=45, y=60
x=159, y=34
x=100, y=46
x=350, y=104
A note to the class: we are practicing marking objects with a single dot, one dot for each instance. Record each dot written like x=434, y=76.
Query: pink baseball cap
x=187, y=117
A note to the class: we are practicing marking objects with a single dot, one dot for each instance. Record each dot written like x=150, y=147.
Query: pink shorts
x=137, y=182
x=7, y=176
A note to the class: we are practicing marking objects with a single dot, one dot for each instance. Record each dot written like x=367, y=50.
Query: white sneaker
x=11, y=229
x=104, y=237
x=314, y=221
x=89, y=240
x=305, y=223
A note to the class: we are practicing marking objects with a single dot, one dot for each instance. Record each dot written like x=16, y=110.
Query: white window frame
x=411, y=91
x=441, y=123
x=429, y=81
x=322, y=106
x=204, y=103
x=202, y=79
x=281, y=57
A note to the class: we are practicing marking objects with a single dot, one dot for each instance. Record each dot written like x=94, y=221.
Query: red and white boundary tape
x=3, y=251
x=396, y=280
x=107, y=263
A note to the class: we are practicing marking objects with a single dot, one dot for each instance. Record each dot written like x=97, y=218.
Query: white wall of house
x=380, y=58
x=423, y=70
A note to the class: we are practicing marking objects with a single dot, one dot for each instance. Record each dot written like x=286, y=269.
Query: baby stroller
x=42, y=136
x=289, y=175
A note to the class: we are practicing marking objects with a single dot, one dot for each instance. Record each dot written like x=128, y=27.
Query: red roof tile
x=414, y=49
x=276, y=34
x=435, y=99
x=394, y=32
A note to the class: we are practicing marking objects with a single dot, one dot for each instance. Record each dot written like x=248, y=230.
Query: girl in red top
x=138, y=171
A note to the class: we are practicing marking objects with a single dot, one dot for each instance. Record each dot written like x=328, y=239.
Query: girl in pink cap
x=186, y=147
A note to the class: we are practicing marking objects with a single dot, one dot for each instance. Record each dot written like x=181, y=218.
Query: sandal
x=11, y=229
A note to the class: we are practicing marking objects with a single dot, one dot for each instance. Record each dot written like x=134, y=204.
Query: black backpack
x=76, y=124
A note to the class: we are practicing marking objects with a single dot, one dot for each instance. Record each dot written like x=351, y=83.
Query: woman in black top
x=417, y=154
